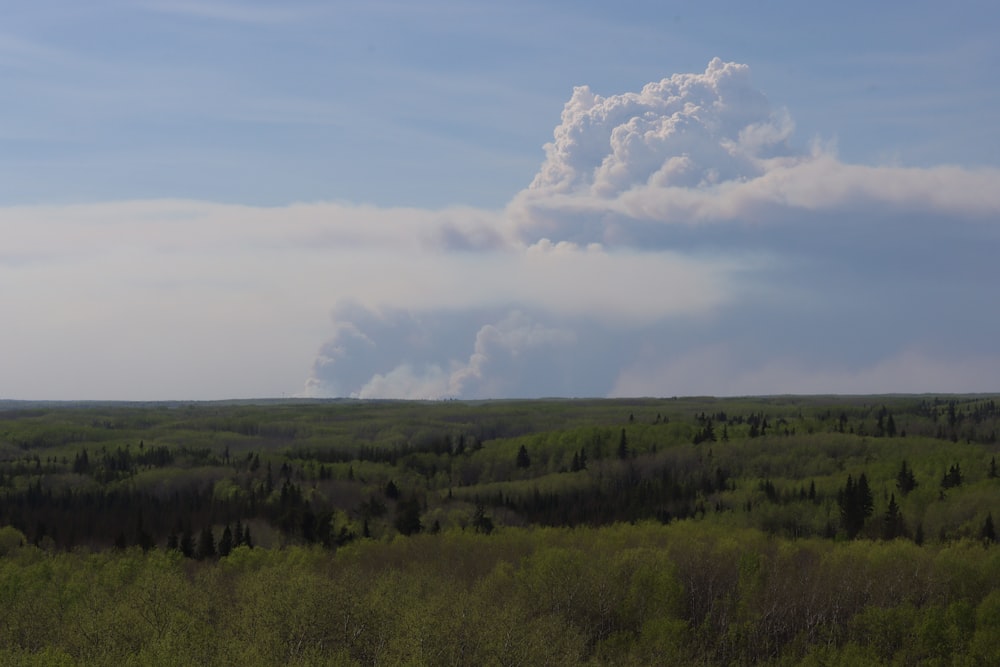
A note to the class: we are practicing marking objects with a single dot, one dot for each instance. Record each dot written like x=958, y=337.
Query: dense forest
x=781, y=530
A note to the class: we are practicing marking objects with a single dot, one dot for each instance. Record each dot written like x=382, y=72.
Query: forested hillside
x=814, y=530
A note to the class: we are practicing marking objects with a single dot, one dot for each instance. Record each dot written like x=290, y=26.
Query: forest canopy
x=813, y=530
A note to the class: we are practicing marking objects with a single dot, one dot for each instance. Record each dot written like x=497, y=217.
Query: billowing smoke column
x=688, y=130
x=665, y=235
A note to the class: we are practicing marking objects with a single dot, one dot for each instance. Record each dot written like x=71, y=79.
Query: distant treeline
x=920, y=468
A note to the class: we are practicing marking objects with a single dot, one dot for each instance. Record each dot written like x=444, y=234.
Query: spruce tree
x=408, y=516
x=226, y=542
x=856, y=504
x=238, y=534
x=988, y=532
x=523, y=460
x=622, y=446
x=173, y=543
x=892, y=523
x=187, y=543
x=206, y=544
x=905, y=481
x=952, y=478
x=866, y=500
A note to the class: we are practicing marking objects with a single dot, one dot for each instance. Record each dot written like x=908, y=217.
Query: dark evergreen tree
x=988, y=532
x=206, y=544
x=391, y=490
x=238, y=534
x=623, y=452
x=867, y=501
x=992, y=472
x=905, y=481
x=856, y=505
x=952, y=478
x=187, y=543
x=408, y=516
x=892, y=522
x=173, y=543
x=81, y=462
x=480, y=522
x=308, y=526
x=143, y=540
x=226, y=542
x=523, y=460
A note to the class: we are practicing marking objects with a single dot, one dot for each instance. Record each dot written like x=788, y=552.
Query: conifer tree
x=187, y=543
x=892, y=523
x=206, y=544
x=523, y=460
x=988, y=532
x=952, y=478
x=856, y=504
x=480, y=522
x=408, y=516
x=623, y=446
x=905, y=481
x=173, y=543
x=226, y=542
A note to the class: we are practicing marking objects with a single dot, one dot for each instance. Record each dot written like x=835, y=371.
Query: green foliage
x=656, y=531
x=687, y=593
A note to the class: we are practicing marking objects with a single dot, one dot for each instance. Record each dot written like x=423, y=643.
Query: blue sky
x=212, y=200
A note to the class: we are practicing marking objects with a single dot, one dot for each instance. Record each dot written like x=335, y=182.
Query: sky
x=210, y=200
